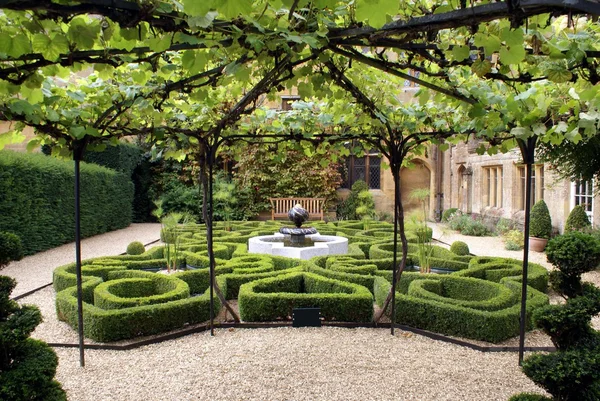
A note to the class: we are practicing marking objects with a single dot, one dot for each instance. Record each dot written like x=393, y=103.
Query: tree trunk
x=206, y=162
x=398, y=226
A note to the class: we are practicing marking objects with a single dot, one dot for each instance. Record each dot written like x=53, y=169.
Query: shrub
x=577, y=220
x=346, y=209
x=27, y=366
x=11, y=248
x=123, y=157
x=514, y=240
x=540, y=224
x=455, y=315
x=448, y=213
x=458, y=221
x=569, y=324
x=529, y=397
x=289, y=173
x=573, y=254
x=366, y=205
x=573, y=372
x=475, y=228
x=135, y=248
x=558, y=372
x=182, y=199
x=504, y=225
x=459, y=248
x=38, y=192
x=273, y=298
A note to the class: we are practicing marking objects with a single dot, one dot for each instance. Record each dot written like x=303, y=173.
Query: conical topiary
x=540, y=224
x=27, y=366
x=577, y=220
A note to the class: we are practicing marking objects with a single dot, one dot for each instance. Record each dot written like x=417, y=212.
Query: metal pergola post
x=78, y=149
x=528, y=154
x=395, y=259
x=209, y=242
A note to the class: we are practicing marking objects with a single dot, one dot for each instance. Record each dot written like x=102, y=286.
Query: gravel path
x=276, y=364
x=294, y=364
x=35, y=271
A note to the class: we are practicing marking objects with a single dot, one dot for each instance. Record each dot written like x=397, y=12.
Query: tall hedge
x=124, y=157
x=38, y=203
x=129, y=159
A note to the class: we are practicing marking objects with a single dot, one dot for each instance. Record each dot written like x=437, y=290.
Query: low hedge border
x=466, y=292
x=455, y=320
x=360, y=279
x=385, y=250
x=274, y=298
x=350, y=268
x=126, y=289
x=235, y=280
x=251, y=264
x=64, y=276
x=118, y=324
x=496, y=269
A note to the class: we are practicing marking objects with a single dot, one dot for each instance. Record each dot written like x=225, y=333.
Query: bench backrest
x=281, y=206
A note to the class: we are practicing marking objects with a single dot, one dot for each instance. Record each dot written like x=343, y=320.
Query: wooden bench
x=281, y=207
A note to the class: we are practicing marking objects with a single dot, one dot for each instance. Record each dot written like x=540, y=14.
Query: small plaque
x=306, y=317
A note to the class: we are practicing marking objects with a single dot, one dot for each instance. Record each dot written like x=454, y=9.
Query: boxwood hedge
x=494, y=323
x=274, y=298
x=479, y=300
x=117, y=324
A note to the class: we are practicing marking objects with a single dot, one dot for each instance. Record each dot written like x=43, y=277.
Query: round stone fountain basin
x=322, y=245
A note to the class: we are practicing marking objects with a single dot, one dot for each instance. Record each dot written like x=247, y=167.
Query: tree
x=286, y=173
x=573, y=161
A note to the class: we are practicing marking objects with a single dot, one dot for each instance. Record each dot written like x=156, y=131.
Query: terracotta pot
x=537, y=244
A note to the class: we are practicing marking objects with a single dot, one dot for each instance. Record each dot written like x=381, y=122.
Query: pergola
x=251, y=33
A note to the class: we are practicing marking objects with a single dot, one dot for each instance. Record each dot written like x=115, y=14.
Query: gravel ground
x=35, y=271
x=294, y=364
x=280, y=363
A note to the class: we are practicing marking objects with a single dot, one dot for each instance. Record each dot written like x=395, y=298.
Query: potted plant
x=540, y=226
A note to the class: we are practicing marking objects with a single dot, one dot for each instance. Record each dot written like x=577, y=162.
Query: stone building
x=495, y=186
x=483, y=185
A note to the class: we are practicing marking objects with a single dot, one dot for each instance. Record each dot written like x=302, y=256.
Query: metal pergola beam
x=471, y=16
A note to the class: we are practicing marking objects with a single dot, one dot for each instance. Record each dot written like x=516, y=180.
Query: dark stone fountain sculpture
x=298, y=215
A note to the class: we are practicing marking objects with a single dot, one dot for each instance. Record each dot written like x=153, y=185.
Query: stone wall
x=466, y=184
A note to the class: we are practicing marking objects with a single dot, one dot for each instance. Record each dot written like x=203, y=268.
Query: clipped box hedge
x=360, y=279
x=276, y=297
x=105, y=325
x=368, y=269
x=126, y=289
x=39, y=205
x=496, y=269
x=465, y=292
x=235, y=280
x=442, y=316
